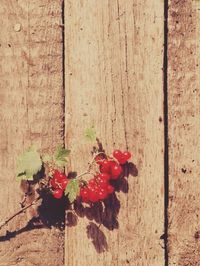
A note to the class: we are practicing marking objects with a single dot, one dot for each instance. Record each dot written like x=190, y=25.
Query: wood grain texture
x=184, y=136
x=114, y=58
x=31, y=111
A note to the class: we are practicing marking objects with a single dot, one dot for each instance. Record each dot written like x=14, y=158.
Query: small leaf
x=72, y=190
x=28, y=164
x=60, y=156
x=90, y=134
x=47, y=158
x=22, y=176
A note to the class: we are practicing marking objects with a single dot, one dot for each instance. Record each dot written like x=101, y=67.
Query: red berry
x=123, y=160
x=58, y=193
x=127, y=155
x=92, y=187
x=102, y=182
x=64, y=183
x=102, y=194
x=117, y=154
x=59, y=175
x=84, y=193
x=53, y=183
x=93, y=196
x=56, y=174
x=105, y=166
x=116, y=171
x=92, y=182
x=110, y=189
x=122, y=157
x=104, y=176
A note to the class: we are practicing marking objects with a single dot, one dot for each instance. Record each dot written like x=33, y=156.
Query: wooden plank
x=114, y=58
x=184, y=137
x=31, y=111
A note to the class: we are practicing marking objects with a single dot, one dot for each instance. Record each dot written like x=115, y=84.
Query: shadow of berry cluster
x=103, y=213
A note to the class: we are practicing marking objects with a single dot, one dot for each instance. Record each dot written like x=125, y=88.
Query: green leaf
x=72, y=190
x=60, y=156
x=29, y=164
x=47, y=158
x=90, y=134
x=23, y=176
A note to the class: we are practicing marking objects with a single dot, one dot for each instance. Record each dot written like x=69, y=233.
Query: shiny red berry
x=57, y=194
x=54, y=183
x=117, y=154
x=64, y=183
x=84, y=193
x=105, y=176
x=122, y=160
x=110, y=189
x=102, y=182
x=102, y=194
x=105, y=166
x=116, y=171
x=59, y=175
x=93, y=196
x=92, y=182
x=127, y=155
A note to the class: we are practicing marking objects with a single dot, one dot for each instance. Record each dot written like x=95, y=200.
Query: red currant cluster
x=99, y=188
x=58, y=184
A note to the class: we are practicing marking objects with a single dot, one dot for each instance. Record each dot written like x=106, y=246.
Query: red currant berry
x=105, y=166
x=59, y=175
x=84, y=193
x=56, y=174
x=64, y=183
x=62, y=176
x=117, y=154
x=104, y=176
x=116, y=171
x=102, y=194
x=121, y=159
x=92, y=182
x=93, y=187
x=102, y=182
x=127, y=155
x=57, y=194
x=93, y=196
x=54, y=183
x=110, y=189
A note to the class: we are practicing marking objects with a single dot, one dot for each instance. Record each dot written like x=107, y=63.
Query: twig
x=88, y=171
x=18, y=212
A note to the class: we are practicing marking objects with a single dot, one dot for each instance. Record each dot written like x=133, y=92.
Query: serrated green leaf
x=72, y=190
x=90, y=134
x=60, y=156
x=47, y=158
x=28, y=164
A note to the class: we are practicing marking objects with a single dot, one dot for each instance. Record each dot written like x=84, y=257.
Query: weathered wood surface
x=31, y=111
x=114, y=59
x=184, y=136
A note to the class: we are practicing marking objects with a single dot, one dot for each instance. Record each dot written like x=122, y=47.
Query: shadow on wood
x=51, y=213
x=103, y=213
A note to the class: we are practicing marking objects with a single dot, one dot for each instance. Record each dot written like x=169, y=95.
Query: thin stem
x=93, y=159
x=88, y=172
x=84, y=173
x=18, y=212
